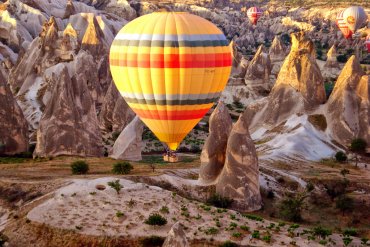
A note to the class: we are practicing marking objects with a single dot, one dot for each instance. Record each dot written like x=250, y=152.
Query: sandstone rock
x=331, y=61
x=129, y=143
x=239, y=178
x=239, y=65
x=93, y=38
x=213, y=153
x=49, y=35
x=69, y=125
x=13, y=125
x=348, y=105
x=278, y=50
x=70, y=9
x=257, y=76
x=299, y=86
x=115, y=114
x=176, y=237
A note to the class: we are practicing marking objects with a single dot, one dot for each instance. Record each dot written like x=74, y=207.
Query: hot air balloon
x=355, y=17
x=170, y=67
x=254, y=13
x=342, y=25
x=367, y=42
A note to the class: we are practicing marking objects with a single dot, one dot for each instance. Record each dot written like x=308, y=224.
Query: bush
x=344, y=203
x=211, y=231
x=341, y=156
x=321, y=232
x=152, y=241
x=253, y=217
x=115, y=185
x=156, y=220
x=218, y=201
x=228, y=244
x=350, y=232
x=291, y=207
x=122, y=168
x=267, y=238
x=256, y=234
x=79, y=167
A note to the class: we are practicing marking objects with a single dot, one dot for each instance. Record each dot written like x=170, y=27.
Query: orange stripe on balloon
x=174, y=60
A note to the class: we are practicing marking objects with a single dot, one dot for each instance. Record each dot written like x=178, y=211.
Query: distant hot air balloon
x=355, y=17
x=170, y=68
x=254, y=13
x=367, y=42
x=343, y=26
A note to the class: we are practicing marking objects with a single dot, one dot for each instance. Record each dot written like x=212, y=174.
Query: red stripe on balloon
x=174, y=60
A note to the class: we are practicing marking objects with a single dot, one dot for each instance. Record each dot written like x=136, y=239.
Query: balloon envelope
x=170, y=68
x=343, y=26
x=355, y=17
x=367, y=42
x=254, y=13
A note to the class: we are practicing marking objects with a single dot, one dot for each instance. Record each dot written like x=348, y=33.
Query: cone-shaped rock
x=257, y=76
x=348, y=105
x=239, y=65
x=213, y=153
x=92, y=40
x=69, y=125
x=176, y=237
x=49, y=34
x=70, y=9
x=115, y=114
x=129, y=143
x=278, y=50
x=239, y=178
x=331, y=61
x=13, y=125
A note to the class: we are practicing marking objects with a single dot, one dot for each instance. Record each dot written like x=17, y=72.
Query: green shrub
x=156, y=220
x=350, y=232
x=344, y=203
x=267, y=238
x=323, y=242
x=291, y=207
x=211, y=231
x=253, y=217
x=115, y=185
x=228, y=244
x=347, y=241
x=256, y=234
x=164, y=210
x=119, y=214
x=79, y=167
x=152, y=241
x=341, y=156
x=218, y=201
x=237, y=234
x=122, y=168
x=244, y=228
x=321, y=232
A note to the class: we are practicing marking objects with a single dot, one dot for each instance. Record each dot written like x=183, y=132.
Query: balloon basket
x=170, y=158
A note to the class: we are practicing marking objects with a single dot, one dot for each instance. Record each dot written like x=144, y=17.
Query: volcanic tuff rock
x=129, y=143
x=176, y=237
x=278, y=50
x=69, y=125
x=92, y=40
x=115, y=114
x=257, y=76
x=239, y=65
x=331, y=61
x=13, y=125
x=239, y=178
x=299, y=86
x=349, y=106
x=213, y=153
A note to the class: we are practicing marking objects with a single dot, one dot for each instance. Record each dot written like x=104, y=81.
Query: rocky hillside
x=55, y=72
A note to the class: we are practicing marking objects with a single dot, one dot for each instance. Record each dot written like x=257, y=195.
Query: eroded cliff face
x=348, y=105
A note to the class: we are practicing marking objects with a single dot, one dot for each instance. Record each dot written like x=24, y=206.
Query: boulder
x=129, y=143
x=13, y=125
x=348, y=105
x=69, y=125
x=239, y=179
x=176, y=237
x=213, y=153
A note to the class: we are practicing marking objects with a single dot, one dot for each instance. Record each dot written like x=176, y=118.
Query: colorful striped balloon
x=254, y=13
x=170, y=67
x=367, y=43
x=343, y=26
x=355, y=17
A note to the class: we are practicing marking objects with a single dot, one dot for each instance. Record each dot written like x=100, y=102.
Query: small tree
x=152, y=166
x=344, y=172
x=358, y=146
x=115, y=185
x=341, y=156
x=344, y=203
x=291, y=207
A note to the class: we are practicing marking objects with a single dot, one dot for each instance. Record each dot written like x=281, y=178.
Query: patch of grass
x=119, y=214
x=156, y=220
x=244, y=228
x=164, y=210
x=253, y=217
x=236, y=234
x=211, y=231
x=122, y=168
x=267, y=238
x=79, y=167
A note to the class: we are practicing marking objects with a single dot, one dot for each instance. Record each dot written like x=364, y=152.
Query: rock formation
x=239, y=178
x=349, y=106
x=176, y=237
x=129, y=143
x=93, y=38
x=257, y=76
x=239, y=65
x=13, y=125
x=278, y=50
x=69, y=125
x=331, y=61
x=115, y=114
x=213, y=153
x=299, y=86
